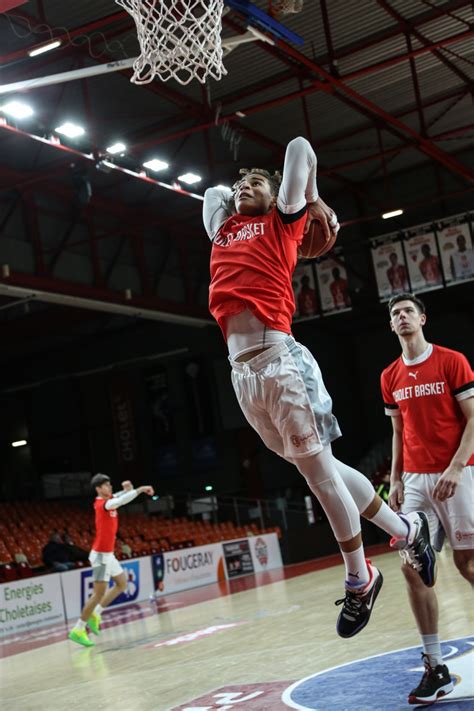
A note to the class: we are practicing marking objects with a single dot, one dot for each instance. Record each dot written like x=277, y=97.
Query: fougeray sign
x=27, y=604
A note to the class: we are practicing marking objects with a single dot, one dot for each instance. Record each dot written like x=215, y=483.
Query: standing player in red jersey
x=104, y=563
x=255, y=232
x=429, y=393
x=429, y=266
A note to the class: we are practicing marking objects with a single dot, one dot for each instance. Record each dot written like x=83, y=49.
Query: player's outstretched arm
x=125, y=497
x=299, y=187
x=145, y=490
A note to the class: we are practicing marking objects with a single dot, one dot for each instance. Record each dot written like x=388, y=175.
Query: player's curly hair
x=273, y=180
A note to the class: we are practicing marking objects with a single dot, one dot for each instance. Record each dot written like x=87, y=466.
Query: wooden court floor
x=208, y=649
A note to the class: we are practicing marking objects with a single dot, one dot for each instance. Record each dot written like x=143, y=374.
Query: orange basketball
x=314, y=242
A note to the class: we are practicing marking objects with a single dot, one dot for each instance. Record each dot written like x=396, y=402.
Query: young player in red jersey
x=255, y=232
x=104, y=563
x=429, y=393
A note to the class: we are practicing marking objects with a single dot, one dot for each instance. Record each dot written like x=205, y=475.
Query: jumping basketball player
x=104, y=563
x=255, y=231
x=429, y=393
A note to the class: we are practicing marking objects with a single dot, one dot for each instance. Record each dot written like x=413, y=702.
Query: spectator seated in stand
x=76, y=552
x=126, y=550
x=56, y=555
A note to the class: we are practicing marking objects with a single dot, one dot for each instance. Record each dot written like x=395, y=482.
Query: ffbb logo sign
x=131, y=570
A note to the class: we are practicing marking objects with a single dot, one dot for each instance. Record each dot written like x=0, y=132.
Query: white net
x=286, y=7
x=179, y=39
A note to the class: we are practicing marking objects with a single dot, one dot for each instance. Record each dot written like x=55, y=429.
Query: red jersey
x=426, y=396
x=429, y=267
x=106, y=525
x=397, y=277
x=340, y=294
x=252, y=262
x=307, y=302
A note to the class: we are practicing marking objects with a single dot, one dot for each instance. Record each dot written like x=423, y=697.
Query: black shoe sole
x=378, y=587
x=431, y=584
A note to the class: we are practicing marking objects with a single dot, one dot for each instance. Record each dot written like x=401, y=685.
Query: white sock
x=390, y=522
x=80, y=625
x=98, y=609
x=357, y=573
x=432, y=648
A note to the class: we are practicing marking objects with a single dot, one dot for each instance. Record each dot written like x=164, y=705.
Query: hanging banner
x=306, y=296
x=165, y=458
x=391, y=273
x=423, y=261
x=457, y=253
x=333, y=286
x=123, y=416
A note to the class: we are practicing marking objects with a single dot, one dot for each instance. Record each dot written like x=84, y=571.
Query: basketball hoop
x=179, y=39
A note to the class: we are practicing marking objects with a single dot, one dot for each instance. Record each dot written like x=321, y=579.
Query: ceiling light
x=155, y=164
x=208, y=487
x=240, y=114
x=116, y=148
x=19, y=443
x=17, y=109
x=71, y=130
x=394, y=213
x=45, y=48
x=189, y=178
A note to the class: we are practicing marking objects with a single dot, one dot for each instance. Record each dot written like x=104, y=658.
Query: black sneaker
x=416, y=548
x=434, y=684
x=358, y=605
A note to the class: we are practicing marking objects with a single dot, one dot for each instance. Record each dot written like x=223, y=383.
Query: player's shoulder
x=392, y=370
x=448, y=354
x=99, y=502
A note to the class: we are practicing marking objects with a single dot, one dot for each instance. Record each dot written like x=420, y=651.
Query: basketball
x=314, y=242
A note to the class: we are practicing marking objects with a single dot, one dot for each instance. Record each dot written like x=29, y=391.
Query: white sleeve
x=298, y=186
x=120, y=499
x=215, y=210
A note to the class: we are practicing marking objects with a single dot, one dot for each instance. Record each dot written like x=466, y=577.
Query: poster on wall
x=391, y=273
x=306, y=296
x=333, y=286
x=238, y=558
x=423, y=260
x=457, y=253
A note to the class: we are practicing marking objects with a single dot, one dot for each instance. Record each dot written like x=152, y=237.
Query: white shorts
x=282, y=395
x=104, y=566
x=453, y=518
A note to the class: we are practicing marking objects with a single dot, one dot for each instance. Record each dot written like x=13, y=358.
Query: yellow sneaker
x=94, y=623
x=81, y=637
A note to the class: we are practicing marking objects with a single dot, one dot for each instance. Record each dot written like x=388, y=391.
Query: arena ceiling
x=382, y=89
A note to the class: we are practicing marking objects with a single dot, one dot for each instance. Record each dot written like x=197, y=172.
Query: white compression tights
x=325, y=477
x=359, y=486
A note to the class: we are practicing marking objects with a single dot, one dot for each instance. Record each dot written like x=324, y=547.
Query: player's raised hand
x=396, y=496
x=146, y=490
x=127, y=485
x=324, y=215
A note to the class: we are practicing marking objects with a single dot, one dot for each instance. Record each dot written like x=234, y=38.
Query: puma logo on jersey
x=413, y=375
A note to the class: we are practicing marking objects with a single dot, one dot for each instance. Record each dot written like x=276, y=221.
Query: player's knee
x=464, y=562
x=122, y=585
